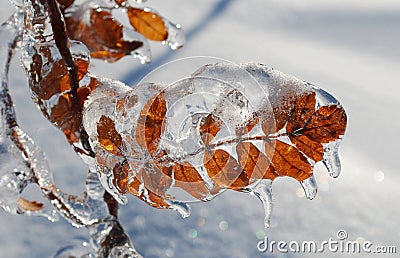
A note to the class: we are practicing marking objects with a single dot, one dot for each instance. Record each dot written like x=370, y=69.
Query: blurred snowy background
x=349, y=48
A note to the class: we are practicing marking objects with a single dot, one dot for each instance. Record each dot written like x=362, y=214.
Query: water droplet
x=310, y=187
x=263, y=190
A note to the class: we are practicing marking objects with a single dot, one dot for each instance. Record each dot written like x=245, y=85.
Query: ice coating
x=176, y=37
x=101, y=26
x=263, y=191
x=19, y=156
x=42, y=60
x=226, y=126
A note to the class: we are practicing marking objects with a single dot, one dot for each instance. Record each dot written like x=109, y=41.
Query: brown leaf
x=134, y=187
x=57, y=79
x=288, y=161
x=147, y=23
x=108, y=136
x=103, y=35
x=224, y=170
x=308, y=128
x=255, y=164
x=293, y=142
x=209, y=127
x=119, y=2
x=187, y=178
x=66, y=113
x=150, y=124
x=28, y=205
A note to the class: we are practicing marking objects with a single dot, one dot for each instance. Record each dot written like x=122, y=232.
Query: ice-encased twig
x=23, y=163
x=16, y=147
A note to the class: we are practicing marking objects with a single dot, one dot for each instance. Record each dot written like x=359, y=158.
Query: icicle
x=310, y=187
x=20, y=158
x=331, y=159
x=181, y=207
x=263, y=190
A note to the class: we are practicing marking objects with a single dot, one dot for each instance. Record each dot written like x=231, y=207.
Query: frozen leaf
x=28, y=205
x=102, y=34
x=148, y=23
x=308, y=128
x=199, y=134
x=150, y=123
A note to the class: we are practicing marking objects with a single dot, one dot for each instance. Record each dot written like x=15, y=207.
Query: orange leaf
x=28, y=205
x=102, y=35
x=108, y=137
x=288, y=161
x=187, y=178
x=224, y=170
x=121, y=177
x=255, y=164
x=308, y=128
x=147, y=23
x=65, y=3
x=209, y=127
x=134, y=187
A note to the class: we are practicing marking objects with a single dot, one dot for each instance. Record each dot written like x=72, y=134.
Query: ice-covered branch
x=24, y=163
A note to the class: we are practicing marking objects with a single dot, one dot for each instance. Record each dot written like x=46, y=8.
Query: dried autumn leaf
x=288, y=161
x=151, y=123
x=188, y=178
x=108, y=136
x=121, y=175
x=28, y=205
x=103, y=35
x=134, y=187
x=52, y=88
x=148, y=23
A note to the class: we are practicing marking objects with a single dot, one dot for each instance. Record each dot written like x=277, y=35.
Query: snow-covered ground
x=349, y=48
